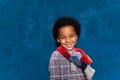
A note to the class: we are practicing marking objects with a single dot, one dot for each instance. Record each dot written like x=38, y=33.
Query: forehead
x=65, y=30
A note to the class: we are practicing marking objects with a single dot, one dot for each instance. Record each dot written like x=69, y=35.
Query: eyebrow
x=73, y=33
x=70, y=34
x=61, y=35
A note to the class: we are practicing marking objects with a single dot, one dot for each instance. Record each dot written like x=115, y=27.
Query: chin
x=69, y=49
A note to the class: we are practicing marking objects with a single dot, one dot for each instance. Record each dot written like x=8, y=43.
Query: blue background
x=26, y=41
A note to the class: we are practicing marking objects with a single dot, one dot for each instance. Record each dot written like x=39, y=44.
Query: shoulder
x=55, y=54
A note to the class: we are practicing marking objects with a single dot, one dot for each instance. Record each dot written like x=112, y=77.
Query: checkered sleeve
x=54, y=66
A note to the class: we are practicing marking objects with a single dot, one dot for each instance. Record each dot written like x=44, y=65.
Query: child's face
x=67, y=37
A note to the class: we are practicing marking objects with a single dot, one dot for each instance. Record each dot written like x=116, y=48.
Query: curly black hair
x=64, y=21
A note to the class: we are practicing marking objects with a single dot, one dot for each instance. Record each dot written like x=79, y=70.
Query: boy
x=67, y=62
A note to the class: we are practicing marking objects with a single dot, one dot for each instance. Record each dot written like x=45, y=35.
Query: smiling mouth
x=69, y=45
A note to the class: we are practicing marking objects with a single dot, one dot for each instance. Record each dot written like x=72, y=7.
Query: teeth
x=69, y=45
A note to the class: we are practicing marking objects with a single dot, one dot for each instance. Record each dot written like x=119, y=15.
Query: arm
x=54, y=67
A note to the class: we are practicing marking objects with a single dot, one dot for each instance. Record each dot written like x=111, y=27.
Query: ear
x=76, y=36
x=58, y=40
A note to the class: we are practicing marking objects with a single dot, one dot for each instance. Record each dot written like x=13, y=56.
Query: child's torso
x=65, y=66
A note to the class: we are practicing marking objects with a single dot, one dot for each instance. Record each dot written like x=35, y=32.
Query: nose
x=67, y=39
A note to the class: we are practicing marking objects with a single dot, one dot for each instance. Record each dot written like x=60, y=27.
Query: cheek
x=63, y=41
x=75, y=39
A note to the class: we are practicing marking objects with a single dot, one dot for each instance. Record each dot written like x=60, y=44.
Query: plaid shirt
x=60, y=67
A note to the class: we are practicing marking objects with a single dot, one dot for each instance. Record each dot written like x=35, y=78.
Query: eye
x=62, y=37
x=72, y=35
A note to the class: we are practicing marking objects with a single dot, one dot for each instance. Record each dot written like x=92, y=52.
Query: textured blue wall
x=26, y=41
